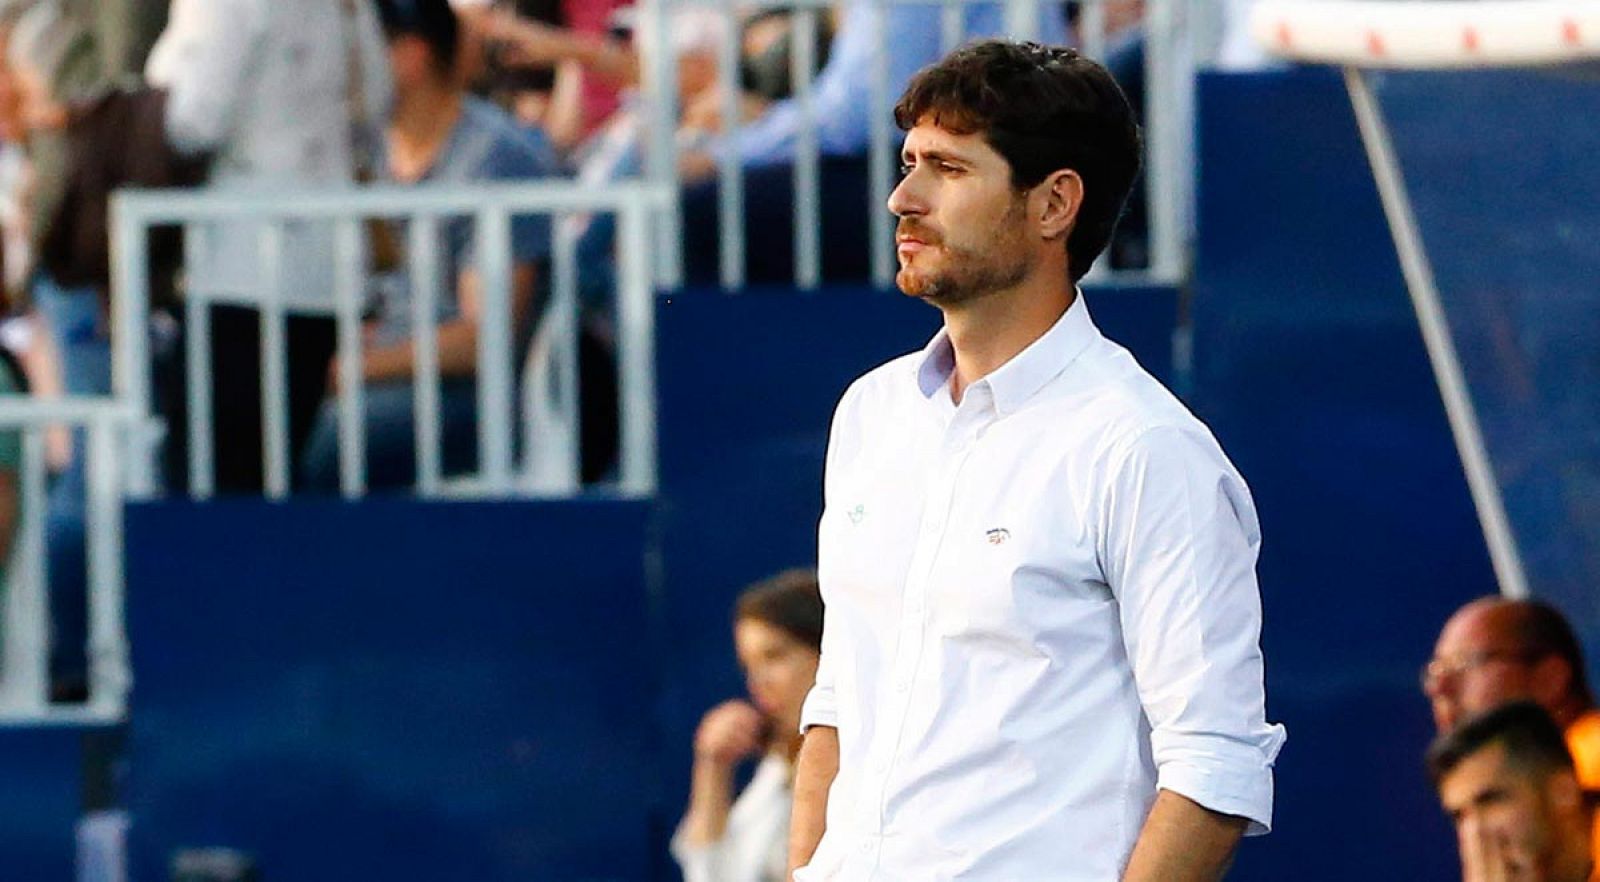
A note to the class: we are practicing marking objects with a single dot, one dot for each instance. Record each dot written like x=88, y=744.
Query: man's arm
x=813, y=775
x=457, y=338
x=1183, y=841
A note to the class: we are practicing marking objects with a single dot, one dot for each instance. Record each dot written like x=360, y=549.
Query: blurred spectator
x=12, y=383
x=842, y=101
x=53, y=64
x=842, y=92
x=1507, y=781
x=283, y=95
x=438, y=134
x=1493, y=651
x=777, y=634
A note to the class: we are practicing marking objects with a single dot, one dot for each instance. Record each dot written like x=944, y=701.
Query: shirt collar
x=1014, y=382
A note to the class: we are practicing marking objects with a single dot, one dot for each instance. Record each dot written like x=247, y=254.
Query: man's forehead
x=1480, y=771
x=927, y=136
x=1475, y=626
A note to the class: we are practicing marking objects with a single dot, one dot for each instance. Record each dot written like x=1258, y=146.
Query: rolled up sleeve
x=1179, y=542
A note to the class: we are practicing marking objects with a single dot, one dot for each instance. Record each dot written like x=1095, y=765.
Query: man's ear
x=1550, y=680
x=1058, y=198
x=1563, y=791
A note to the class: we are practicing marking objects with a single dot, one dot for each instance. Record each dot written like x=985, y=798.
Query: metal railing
x=549, y=408
x=27, y=640
x=1174, y=34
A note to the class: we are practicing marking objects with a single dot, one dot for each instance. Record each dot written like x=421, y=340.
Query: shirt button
x=902, y=686
x=865, y=846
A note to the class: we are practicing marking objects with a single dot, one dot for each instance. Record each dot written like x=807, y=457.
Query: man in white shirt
x=1041, y=656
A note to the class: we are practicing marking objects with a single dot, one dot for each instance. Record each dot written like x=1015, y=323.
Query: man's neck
x=988, y=331
x=423, y=120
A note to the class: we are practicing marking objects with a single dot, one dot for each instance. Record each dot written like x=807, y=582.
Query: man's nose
x=906, y=200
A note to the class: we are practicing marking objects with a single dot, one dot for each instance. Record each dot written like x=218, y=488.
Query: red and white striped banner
x=1429, y=33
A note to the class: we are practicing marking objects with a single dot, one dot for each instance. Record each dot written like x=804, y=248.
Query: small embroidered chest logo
x=857, y=513
x=998, y=535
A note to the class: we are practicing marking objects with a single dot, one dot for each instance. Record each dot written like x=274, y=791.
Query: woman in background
x=777, y=634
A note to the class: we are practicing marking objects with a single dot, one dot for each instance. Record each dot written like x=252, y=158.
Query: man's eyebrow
x=934, y=156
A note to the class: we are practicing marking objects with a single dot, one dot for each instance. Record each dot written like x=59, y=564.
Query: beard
x=968, y=272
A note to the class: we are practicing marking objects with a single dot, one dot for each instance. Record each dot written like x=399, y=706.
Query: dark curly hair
x=1042, y=108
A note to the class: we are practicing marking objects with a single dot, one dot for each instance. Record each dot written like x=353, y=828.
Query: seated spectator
x=777, y=633
x=1493, y=651
x=282, y=95
x=437, y=134
x=1508, y=782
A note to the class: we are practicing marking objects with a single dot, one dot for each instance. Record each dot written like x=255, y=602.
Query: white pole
x=130, y=285
x=807, y=167
x=274, y=363
x=1418, y=272
x=197, y=372
x=636, y=330
x=880, y=164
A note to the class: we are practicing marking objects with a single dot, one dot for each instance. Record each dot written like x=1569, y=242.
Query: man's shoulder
x=895, y=377
x=499, y=147
x=1126, y=403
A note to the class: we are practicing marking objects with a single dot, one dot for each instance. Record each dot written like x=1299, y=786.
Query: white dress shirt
x=1041, y=608
x=755, y=845
x=261, y=84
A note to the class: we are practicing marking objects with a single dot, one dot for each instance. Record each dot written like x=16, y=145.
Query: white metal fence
x=25, y=679
x=549, y=410
x=1175, y=34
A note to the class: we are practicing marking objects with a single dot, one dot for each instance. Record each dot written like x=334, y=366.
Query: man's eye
x=905, y=169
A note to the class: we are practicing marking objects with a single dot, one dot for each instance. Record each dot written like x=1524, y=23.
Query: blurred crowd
x=282, y=95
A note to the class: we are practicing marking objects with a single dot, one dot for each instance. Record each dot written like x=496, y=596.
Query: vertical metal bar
x=660, y=72
x=952, y=25
x=198, y=372
x=425, y=288
x=494, y=348
x=350, y=266
x=130, y=339
x=636, y=330
x=1092, y=28
x=109, y=676
x=1418, y=272
x=881, y=163
x=1022, y=19
x=1165, y=134
x=27, y=643
x=730, y=171
x=807, y=166
x=551, y=383
x=274, y=363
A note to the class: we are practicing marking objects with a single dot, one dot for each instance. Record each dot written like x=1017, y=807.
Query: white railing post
x=350, y=260
x=109, y=677
x=636, y=327
x=660, y=91
x=1168, y=181
x=881, y=162
x=274, y=364
x=494, y=349
x=730, y=167
x=425, y=286
x=551, y=387
x=197, y=373
x=807, y=161
x=130, y=339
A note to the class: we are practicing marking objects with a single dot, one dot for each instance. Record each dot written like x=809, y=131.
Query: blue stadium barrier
x=393, y=690
x=39, y=802
x=1311, y=370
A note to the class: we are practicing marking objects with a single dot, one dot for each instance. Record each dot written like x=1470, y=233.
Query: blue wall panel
x=1310, y=369
x=39, y=801
x=393, y=690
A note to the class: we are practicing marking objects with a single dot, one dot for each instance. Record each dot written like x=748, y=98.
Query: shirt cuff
x=820, y=709
x=1242, y=788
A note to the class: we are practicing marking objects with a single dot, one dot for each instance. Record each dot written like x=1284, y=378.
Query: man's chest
x=989, y=530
